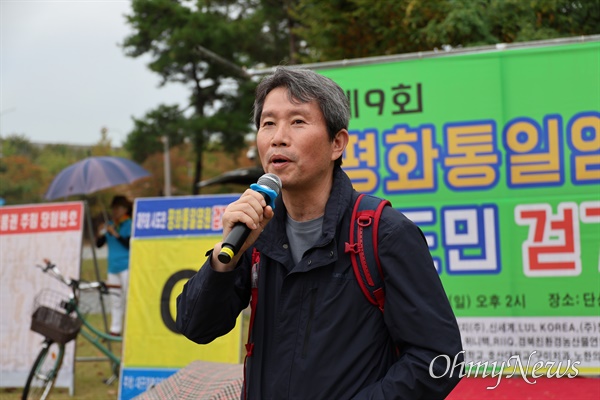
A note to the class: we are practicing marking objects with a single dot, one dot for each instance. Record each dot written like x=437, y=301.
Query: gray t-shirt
x=302, y=235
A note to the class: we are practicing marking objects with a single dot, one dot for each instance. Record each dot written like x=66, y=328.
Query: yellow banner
x=158, y=270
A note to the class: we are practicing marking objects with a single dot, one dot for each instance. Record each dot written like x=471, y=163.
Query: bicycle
x=61, y=321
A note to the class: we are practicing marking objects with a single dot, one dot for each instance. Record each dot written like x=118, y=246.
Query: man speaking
x=314, y=335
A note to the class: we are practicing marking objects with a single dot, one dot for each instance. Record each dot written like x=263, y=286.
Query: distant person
x=315, y=335
x=117, y=234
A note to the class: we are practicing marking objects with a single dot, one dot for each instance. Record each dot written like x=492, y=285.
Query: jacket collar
x=337, y=204
x=274, y=236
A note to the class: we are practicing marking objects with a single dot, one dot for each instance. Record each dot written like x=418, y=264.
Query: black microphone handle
x=236, y=238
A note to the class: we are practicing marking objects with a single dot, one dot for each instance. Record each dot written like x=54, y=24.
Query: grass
x=89, y=375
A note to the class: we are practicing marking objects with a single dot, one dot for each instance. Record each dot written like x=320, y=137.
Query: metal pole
x=167, y=162
x=92, y=238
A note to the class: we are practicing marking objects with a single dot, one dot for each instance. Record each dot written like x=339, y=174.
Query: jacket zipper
x=311, y=313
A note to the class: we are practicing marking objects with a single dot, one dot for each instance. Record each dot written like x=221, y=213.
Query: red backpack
x=362, y=246
x=364, y=255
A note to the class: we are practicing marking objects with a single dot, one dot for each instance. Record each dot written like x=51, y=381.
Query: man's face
x=293, y=143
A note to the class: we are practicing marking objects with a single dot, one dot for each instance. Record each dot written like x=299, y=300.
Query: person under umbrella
x=117, y=234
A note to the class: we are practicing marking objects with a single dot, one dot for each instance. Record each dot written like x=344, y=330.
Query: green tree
x=344, y=29
x=103, y=147
x=516, y=21
x=180, y=179
x=55, y=157
x=145, y=138
x=18, y=144
x=27, y=169
x=208, y=45
x=21, y=180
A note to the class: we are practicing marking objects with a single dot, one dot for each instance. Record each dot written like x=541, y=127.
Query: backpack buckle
x=364, y=220
x=351, y=248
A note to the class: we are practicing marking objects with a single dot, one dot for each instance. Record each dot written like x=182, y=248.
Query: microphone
x=269, y=185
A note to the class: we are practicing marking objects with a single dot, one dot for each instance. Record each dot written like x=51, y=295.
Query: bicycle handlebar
x=55, y=272
x=73, y=283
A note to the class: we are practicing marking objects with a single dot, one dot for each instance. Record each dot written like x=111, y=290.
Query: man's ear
x=339, y=143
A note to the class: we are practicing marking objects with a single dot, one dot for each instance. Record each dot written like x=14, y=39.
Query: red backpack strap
x=253, y=298
x=362, y=246
x=253, y=302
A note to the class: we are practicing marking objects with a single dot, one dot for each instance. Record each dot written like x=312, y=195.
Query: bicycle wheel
x=44, y=371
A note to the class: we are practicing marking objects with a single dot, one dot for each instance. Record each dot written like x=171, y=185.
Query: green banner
x=496, y=156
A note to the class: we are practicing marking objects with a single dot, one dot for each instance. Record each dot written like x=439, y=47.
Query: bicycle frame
x=95, y=336
x=43, y=376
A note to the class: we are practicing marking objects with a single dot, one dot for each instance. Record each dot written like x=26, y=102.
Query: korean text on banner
x=28, y=234
x=168, y=245
x=496, y=156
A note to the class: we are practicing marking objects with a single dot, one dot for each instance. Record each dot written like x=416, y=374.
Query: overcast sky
x=63, y=75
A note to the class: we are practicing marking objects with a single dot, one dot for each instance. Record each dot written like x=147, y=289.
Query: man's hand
x=250, y=209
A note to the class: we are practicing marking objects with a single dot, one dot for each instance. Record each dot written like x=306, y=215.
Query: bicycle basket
x=50, y=320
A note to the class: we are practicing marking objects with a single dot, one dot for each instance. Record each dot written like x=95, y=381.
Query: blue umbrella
x=93, y=174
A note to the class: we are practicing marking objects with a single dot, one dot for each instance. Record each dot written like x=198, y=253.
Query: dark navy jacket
x=316, y=336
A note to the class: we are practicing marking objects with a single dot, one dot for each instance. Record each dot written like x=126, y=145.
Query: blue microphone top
x=269, y=192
